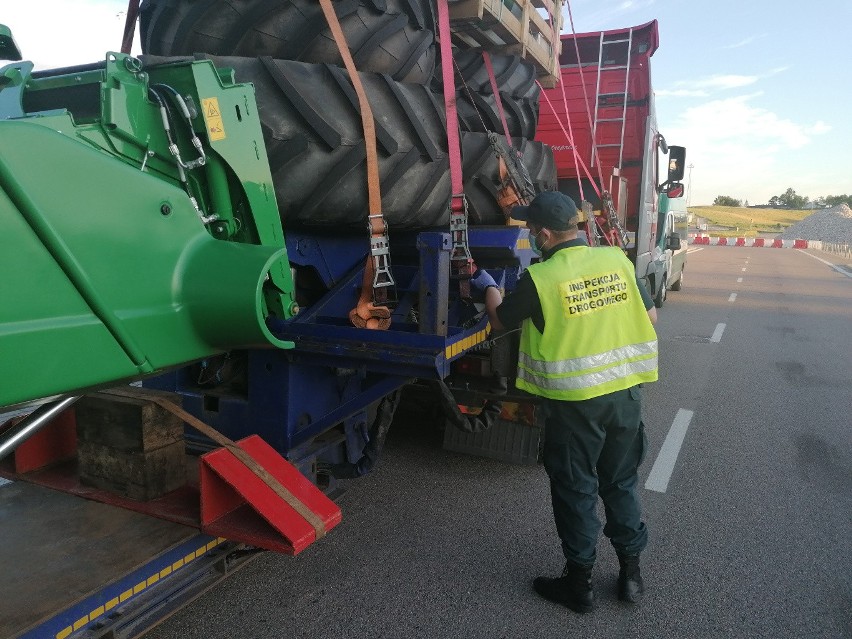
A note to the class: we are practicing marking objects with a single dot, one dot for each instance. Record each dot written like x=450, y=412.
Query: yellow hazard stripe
x=135, y=590
x=464, y=344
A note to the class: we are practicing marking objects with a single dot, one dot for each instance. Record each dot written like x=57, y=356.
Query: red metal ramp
x=238, y=504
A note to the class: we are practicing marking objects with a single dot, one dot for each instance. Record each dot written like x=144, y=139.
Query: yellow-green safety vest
x=597, y=337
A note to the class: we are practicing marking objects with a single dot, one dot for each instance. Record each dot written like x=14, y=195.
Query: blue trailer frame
x=311, y=403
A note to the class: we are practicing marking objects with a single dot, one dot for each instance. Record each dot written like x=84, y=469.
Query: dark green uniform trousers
x=594, y=447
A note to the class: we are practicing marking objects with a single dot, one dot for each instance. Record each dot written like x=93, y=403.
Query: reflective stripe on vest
x=634, y=351
x=589, y=380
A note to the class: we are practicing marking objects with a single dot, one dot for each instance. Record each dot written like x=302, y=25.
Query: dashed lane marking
x=732, y=297
x=661, y=473
x=739, y=280
x=717, y=334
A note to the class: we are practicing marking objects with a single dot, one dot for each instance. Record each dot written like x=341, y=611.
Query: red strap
x=577, y=159
x=447, y=71
x=461, y=262
x=488, y=67
x=570, y=139
x=585, y=94
x=130, y=26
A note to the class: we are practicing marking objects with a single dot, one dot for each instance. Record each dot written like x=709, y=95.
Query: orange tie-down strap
x=310, y=516
x=507, y=195
x=366, y=314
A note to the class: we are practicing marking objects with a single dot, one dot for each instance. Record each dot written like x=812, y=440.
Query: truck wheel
x=660, y=297
x=676, y=286
x=396, y=37
x=313, y=134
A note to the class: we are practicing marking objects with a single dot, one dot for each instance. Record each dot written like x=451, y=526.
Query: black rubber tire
x=660, y=297
x=482, y=179
x=396, y=37
x=477, y=106
x=314, y=139
x=479, y=113
x=514, y=76
x=538, y=158
x=678, y=285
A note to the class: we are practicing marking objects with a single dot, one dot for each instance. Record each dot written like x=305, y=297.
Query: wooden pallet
x=512, y=26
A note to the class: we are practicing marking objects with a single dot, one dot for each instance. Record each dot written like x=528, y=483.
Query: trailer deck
x=74, y=567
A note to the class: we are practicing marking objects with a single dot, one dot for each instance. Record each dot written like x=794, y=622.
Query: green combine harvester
x=142, y=230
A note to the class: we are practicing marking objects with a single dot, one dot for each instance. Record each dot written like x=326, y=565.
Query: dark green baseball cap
x=551, y=210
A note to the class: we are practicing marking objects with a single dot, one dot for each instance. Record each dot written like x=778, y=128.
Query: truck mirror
x=675, y=190
x=8, y=49
x=677, y=159
x=673, y=242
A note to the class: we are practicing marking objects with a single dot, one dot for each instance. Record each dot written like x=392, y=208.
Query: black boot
x=630, y=585
x=573, y=589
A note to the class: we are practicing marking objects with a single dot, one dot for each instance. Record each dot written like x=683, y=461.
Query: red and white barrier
x=707, y=240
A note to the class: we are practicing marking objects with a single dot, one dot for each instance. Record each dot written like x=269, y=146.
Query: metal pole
x=689, y=186
x=32, y=423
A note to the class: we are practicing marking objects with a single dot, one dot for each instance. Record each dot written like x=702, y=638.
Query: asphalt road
x=750, y=522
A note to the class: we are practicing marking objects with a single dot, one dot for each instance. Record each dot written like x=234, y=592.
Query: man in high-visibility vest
x=587, y=343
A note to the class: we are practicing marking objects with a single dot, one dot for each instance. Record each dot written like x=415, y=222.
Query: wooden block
x=127, y=422
x=136, y=475
x=129, y=445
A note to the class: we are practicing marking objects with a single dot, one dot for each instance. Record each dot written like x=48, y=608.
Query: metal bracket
x=384, y=286
x=460, y=257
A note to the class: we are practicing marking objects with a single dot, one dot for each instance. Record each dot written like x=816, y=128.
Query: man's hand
x=481, y=280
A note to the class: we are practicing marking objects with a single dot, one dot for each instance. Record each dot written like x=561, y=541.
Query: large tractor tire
x=538, y=158
x=482, y=176
x=478, y=112
x=477, y=105
x=396, y=37
x=514, y=76
x=314, y=138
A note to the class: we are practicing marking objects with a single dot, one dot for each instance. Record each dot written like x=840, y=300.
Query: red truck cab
x=601, y=124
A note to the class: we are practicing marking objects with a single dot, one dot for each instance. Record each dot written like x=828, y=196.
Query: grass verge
x=747, y=222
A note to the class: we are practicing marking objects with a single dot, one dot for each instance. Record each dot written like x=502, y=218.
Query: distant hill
x=746, y=219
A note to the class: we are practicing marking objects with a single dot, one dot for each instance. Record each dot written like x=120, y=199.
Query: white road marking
x=695, y=250
x=743, y=269
x=717, y=334
x=834, y=266
x=658, y=479
x=739, y=279
x=732, y=297
x=4, y=481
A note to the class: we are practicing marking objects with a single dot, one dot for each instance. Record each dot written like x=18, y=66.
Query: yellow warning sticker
x=213, y=119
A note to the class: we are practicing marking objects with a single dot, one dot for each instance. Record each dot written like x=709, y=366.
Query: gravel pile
x=828, y=225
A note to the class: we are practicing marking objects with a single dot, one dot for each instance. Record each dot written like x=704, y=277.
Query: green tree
x=834, y=200
x=726, y=200
x=791, y=200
